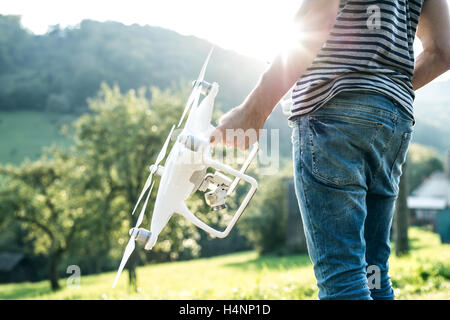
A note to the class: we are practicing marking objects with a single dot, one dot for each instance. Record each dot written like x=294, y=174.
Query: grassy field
x=24, y=133
x=423, y=274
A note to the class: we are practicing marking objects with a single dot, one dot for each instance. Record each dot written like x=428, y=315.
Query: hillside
x=432, y=109
x=61, y=69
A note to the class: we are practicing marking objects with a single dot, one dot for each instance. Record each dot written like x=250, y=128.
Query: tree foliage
x=46, y=197
x=422, y=162
x=265, y=222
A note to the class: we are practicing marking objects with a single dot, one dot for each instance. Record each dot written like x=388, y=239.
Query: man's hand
x=239, y=128
x=434, y=32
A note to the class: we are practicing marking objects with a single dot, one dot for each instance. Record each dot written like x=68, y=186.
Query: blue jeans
x=348, y=158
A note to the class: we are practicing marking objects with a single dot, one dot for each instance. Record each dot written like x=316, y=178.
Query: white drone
x=185, y=172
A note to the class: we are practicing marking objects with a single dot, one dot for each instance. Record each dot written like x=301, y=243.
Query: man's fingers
x=233, y=137
x=218, y=136
x=223, y=136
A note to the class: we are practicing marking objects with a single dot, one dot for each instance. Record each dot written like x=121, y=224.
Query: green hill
x=62, y=68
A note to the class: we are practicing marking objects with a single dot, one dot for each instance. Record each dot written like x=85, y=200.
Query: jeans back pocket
x=338, y=147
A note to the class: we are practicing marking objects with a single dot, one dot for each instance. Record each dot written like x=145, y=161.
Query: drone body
x=185, y=171
x=181, y=164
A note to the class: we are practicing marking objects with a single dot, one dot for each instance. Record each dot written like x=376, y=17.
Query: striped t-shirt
x=369, y=48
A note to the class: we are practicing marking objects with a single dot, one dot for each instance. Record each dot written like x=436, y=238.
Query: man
x=353, y=77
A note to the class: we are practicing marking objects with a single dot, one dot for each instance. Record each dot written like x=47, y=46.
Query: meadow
x=24, y=134
x=422, y=274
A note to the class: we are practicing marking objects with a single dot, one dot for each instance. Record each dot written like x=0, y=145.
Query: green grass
x=24, y=133
x=423, y=274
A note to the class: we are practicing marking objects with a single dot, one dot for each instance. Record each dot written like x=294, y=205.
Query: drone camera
x=216, y=199
x=218, y=183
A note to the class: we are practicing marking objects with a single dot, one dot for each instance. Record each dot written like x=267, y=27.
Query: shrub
x=265, y=222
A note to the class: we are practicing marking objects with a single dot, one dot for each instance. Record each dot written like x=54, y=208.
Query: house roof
x=427, y=203
x=432, y=194
x=435, y=186
x=8, y=260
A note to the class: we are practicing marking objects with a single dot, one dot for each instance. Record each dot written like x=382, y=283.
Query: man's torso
x=370, y=48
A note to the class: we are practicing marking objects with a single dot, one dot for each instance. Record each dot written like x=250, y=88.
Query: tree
x=402, y=215
x=44, y=196
x=265, y=222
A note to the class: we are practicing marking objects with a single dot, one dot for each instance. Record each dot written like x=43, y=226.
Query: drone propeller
x=195, y=94
x=131, y=243
x=163, y=151
x=147, y=184
x=128, y=251
x=153, y=168
x=141, y=215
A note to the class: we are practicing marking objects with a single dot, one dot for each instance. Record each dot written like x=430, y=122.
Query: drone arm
x=244, y=167
x=238, y=174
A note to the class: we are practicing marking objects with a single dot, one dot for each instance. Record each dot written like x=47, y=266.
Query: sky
x=250, y=27
x=256, y=28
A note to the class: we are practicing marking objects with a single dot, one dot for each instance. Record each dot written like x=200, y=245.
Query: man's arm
x=434, y=32
x=315, y=20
